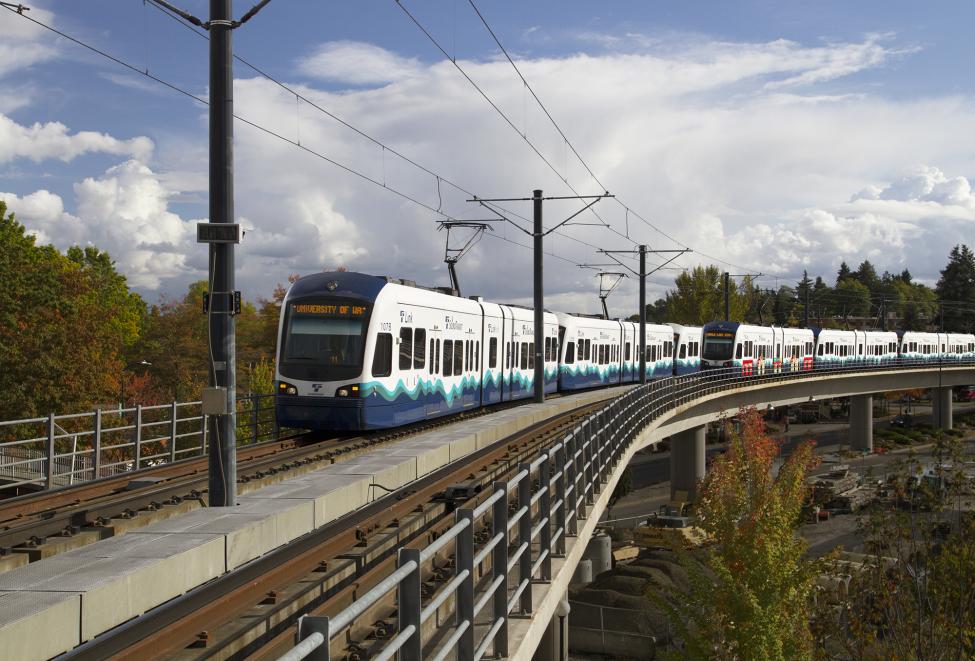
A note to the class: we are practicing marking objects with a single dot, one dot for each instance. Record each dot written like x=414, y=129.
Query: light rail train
x=358, y=352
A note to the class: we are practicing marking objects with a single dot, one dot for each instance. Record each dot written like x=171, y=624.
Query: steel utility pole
x=223, y=350
x=538, y=234
x=539, y=298
x=805, y=310
x=222, y=301
x=643, y=313
x=727, y=290
x=727, y=297
x=642, y=251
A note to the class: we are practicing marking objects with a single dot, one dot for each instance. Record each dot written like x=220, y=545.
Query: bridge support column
x=941, y=408
x=687, y=461
x=554, y=645
x=861, y=423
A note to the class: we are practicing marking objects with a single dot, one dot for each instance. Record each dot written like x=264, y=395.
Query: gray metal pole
x=727, y=297
x=539, y=312
x=805, y=311
x=223, y=448
x=643, y=314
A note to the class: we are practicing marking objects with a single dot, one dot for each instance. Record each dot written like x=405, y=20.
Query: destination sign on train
x=330, y=309
x=717, y=334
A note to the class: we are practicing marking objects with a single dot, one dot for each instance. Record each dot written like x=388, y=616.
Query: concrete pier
x=687, y=461
x=941, y=408
x=861, y=423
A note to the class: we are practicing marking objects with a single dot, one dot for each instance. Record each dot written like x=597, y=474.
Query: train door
x=435, y=404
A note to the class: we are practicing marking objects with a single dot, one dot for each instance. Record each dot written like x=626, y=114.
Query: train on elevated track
x=359, y=352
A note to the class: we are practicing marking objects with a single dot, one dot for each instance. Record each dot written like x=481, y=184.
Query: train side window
x=524, y=355
x=548, y=349
x=458, y=358
x=405, y=348
x=468, y=363
x=860, y=349
x=448, y=357
x=821, y=349
x=493, y=352
x=436, y=366
x=682, y=351
x=626, y=351
x=419, y=348
x=570, y=353
x=477, y=355
x=382, y=358
x=507, y=355
x=433, y=353
x=738, y=351
x=531, y=356
x=555, y=349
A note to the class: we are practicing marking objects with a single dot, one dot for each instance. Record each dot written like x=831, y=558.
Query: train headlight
x=342, y=392
x=286, y=389
x=347, y=391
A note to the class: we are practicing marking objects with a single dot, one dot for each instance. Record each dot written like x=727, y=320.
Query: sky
x=769, y=137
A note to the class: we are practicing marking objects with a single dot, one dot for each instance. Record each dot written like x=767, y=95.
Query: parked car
x=965, y=394
x=904, y=420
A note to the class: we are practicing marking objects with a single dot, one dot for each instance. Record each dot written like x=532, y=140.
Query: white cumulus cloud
x=53, y=140
x=357, y=63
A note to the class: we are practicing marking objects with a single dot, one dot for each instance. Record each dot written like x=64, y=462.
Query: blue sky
x=775, y=135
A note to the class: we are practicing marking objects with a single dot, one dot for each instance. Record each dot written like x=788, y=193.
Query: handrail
x=61, y=450
x=570, y=472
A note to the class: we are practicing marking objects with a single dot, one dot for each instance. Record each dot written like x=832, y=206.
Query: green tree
x=699, y=297
x=956, y=288
x=750, y=593
x=66, y=323
x=844, y=273
x=852, y=299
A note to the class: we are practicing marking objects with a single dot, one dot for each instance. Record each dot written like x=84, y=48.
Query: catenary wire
x=439, y=177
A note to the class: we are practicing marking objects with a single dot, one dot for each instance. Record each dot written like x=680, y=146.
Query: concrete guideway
x=52, y=605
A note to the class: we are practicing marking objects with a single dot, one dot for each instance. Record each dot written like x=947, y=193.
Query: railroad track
x=212, y=620
x=111, y=505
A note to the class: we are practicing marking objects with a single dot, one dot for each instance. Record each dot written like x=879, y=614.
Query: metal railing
x=526, y=522
x=61, y=450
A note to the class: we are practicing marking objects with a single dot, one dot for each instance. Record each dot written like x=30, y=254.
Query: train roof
x=354, y=285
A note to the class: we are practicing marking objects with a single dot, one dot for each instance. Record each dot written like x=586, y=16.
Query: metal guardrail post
x=589, y=463
x=545, y=512
x=172, y=433
x=465, y=591
x=575, y=469
x=596, y=440
x=499, y=567
x=525, y=537
x=561, y=515
x=49, y=472
x=203, y=432
x=254, y=401
x=307, y=625
x=138, y=435
x=96, y=460
x=408, y=606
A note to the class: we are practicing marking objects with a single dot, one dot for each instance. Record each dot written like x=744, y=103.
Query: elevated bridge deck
x=52, y=605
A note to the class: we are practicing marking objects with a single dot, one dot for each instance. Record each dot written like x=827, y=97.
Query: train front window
x=324, y=341
x=718, y=348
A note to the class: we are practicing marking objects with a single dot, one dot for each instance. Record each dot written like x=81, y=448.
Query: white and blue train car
x=834, y=347
x=742, y=346
x=687, y=348
x=590, y=352
x=365, y=352
x=519, y=364
x=876, y=347
x=961, y=346
x=935, y=347
x=919, y=346
x=660, y=350
x=798, y=345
